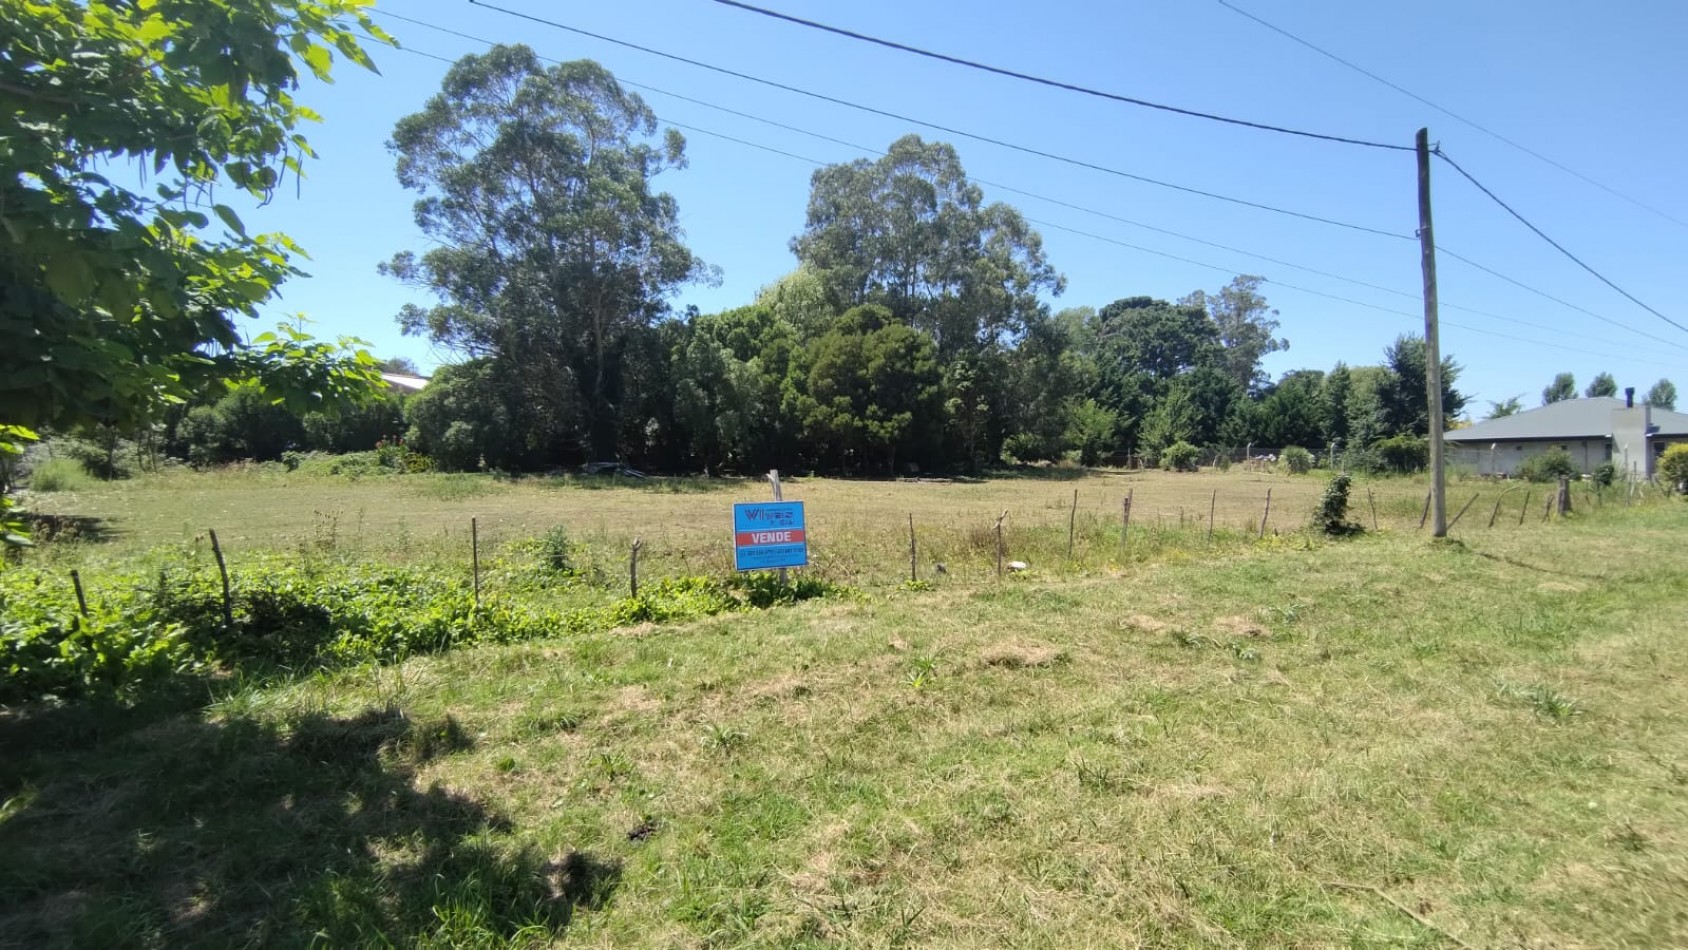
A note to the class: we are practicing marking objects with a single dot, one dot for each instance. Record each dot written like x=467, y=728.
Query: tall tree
x=910, y=232
x=1603, y=385
x=1662, y=395
x=1404, y=394
x=1506, y=407
x=874, y=391
x=1246, y=326
x=1563, y=387
x=1293, y=412
x=553, y=250
x=1338, y=390
x=116, y=301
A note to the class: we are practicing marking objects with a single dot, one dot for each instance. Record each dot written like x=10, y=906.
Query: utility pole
x=1432, y=343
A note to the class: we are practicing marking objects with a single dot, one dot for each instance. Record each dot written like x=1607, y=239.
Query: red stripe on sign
x=751, y=539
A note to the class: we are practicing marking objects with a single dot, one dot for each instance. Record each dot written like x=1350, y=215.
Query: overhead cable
x=1454, y=115
x=989, y=140
x=1055, y=83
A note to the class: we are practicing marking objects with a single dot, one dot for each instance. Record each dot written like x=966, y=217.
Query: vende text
x=749, y=538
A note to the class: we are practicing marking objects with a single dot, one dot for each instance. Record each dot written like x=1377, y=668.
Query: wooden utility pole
x=1432, y=343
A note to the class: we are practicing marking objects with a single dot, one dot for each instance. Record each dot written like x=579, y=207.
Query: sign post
x=768, y=535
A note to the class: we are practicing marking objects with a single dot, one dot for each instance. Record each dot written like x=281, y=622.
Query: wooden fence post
x=1125, y=518
x=779, y=495
x=633, y=566
x=913, y=568
x=1212, y=505
x=81, y=599
x=1372, y=500
x=223, y=569
x=1266, y=514
x=475, y=557
x=1462, y=511
x=1524, y=509
x=1072, y=523
x=999, y=542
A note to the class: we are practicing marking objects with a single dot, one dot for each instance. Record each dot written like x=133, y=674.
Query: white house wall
x=1506, y=457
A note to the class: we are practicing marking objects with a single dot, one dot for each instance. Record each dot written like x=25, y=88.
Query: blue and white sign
x=769, y=535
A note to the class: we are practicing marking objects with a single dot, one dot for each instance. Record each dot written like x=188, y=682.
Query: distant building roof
x=1589, y=418
x=404, y=382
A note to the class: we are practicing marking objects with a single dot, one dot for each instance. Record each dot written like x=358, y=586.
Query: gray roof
x=1568, y=419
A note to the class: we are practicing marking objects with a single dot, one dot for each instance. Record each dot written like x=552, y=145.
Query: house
x=404, y=384
x=1594, y=430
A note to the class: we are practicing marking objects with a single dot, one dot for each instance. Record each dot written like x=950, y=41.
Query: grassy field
x=858, y=529
x=1382, y=741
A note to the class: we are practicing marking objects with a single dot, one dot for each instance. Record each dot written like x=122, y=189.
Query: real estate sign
x=769, y=535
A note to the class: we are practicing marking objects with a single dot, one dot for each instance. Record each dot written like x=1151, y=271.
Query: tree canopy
x=1663, y=394
x=1563, y=387
x=116, y=301
x=1602, y=385
x=911, y=233
x=553, y=250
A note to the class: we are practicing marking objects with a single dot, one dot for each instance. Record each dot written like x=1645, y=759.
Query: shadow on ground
x=188, y=832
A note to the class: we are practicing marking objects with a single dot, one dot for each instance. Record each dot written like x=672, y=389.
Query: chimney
x=1629, y=397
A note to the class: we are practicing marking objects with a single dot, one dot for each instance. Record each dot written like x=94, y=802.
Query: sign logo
x=769, y=535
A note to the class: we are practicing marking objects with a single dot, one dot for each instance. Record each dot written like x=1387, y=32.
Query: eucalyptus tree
x=552, y=251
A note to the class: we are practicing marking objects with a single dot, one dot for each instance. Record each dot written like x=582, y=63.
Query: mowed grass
x=1384, y=741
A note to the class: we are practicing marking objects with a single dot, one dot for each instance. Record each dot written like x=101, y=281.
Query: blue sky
x=1594, y=89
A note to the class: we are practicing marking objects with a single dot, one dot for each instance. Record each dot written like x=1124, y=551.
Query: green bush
x=1673, y=467
x=1549, y=466
x=1605, y=474
x=60, y=474
x=48, y=649
x=1403, y=453
x=1332, y=516
x=244, y=424
x=1180, y=456
x=145, y=631
x=1296, y=460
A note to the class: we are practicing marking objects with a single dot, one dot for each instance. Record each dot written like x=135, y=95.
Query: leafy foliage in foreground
x=140, y=632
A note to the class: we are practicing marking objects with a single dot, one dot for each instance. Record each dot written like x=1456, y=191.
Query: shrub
x=1673, y=467
x=1180, y=456
x=60, y=474
x=1091, y=428
x=1549, y=466
x=1605, y=474
x=556, y=554
x=1296, y=460
x=244, y=424
x=1332, y=516
x=1403, y=453
x=356, y=428
x=144, y=631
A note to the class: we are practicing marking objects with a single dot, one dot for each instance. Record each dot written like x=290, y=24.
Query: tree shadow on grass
x=193, y=832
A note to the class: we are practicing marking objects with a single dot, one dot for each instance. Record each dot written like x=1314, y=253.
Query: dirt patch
x=1018, y=655
x=634, y=699
x=1143, y=623
x=778, y=690
x=1240, y=626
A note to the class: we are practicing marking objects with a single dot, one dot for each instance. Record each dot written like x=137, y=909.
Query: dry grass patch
x=1019, y=655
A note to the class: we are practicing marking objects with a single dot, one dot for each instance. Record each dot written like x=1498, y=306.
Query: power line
x=1054, y=83
x=1084, y=209
x=1342, y=299
x=1026, y=149
x=1452, y=114
x=1556, y=245
x=1440, y=249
